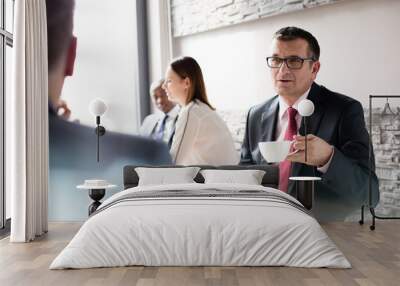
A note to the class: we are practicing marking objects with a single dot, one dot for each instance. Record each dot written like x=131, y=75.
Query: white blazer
x=202, y=138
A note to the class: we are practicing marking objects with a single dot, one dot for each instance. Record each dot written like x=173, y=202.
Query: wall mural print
x=76, y=160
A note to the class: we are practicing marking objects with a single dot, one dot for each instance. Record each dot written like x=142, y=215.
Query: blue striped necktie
x=159, y=134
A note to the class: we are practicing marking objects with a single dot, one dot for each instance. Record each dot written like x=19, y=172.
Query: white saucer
x=87, y=187
x=305, y=178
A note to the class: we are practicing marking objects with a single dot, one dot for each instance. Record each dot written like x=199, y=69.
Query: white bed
x=224, y=225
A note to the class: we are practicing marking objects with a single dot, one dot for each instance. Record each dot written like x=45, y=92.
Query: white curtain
x=27, y=123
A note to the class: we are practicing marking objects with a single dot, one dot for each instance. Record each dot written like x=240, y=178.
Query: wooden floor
x=374, y=255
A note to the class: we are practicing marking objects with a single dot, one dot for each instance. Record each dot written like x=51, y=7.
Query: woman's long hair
x=187, y=67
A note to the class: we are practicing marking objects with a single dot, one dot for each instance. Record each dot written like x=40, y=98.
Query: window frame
x=6, y=39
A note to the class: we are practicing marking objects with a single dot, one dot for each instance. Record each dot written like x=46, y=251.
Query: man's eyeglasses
x=294, y=63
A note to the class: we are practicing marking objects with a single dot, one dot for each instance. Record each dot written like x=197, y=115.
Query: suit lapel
x=267, y=126
x=269, y=120
x=153, y=125
x=153, y=130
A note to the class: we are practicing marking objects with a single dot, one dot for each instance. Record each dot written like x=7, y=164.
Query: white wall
x=360, y=52
x=105, y=63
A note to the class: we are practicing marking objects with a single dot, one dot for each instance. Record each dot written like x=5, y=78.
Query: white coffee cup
x=274, y=151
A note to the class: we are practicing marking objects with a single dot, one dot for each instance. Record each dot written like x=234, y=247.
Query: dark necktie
x=159, y=134
x=284, y=167
x=171, y=137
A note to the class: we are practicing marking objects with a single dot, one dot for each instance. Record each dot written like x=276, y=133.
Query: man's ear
x=315, y=69
x=71, y=54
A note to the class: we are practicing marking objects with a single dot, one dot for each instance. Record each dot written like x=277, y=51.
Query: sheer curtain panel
x=27, y=123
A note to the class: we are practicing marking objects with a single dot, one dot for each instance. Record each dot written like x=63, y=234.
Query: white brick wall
x=193, y=16
x=386, y=141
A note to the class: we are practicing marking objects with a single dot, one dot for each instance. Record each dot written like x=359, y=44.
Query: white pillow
x=248, y=177
x=165, y=176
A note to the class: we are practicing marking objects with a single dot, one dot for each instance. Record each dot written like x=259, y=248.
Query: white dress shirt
x=283, y=121
x=283, y=116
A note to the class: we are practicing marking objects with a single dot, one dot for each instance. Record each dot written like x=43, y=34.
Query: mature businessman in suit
x=337, y=150
x=161, y=124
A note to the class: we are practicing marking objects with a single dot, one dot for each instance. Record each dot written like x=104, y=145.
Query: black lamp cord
x=305, y=136
x=98, y=137
x=305, y=147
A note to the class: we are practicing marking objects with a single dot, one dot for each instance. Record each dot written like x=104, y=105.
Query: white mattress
x=183, y=231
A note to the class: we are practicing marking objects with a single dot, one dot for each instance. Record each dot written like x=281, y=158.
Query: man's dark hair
x=59, y=28
x=294, y=33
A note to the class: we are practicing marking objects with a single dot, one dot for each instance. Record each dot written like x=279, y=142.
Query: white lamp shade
x=97, y=107
x=306, y=107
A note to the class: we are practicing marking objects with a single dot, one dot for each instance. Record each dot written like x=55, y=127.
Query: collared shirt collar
x=283, y=106
x=174, y=111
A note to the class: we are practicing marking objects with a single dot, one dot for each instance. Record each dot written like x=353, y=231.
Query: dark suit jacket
x=72, y=159
x=339, y=120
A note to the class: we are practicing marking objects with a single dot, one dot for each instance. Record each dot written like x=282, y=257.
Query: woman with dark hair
x=201, y=136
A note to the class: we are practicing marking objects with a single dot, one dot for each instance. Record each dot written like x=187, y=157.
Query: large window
x=6, y=43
